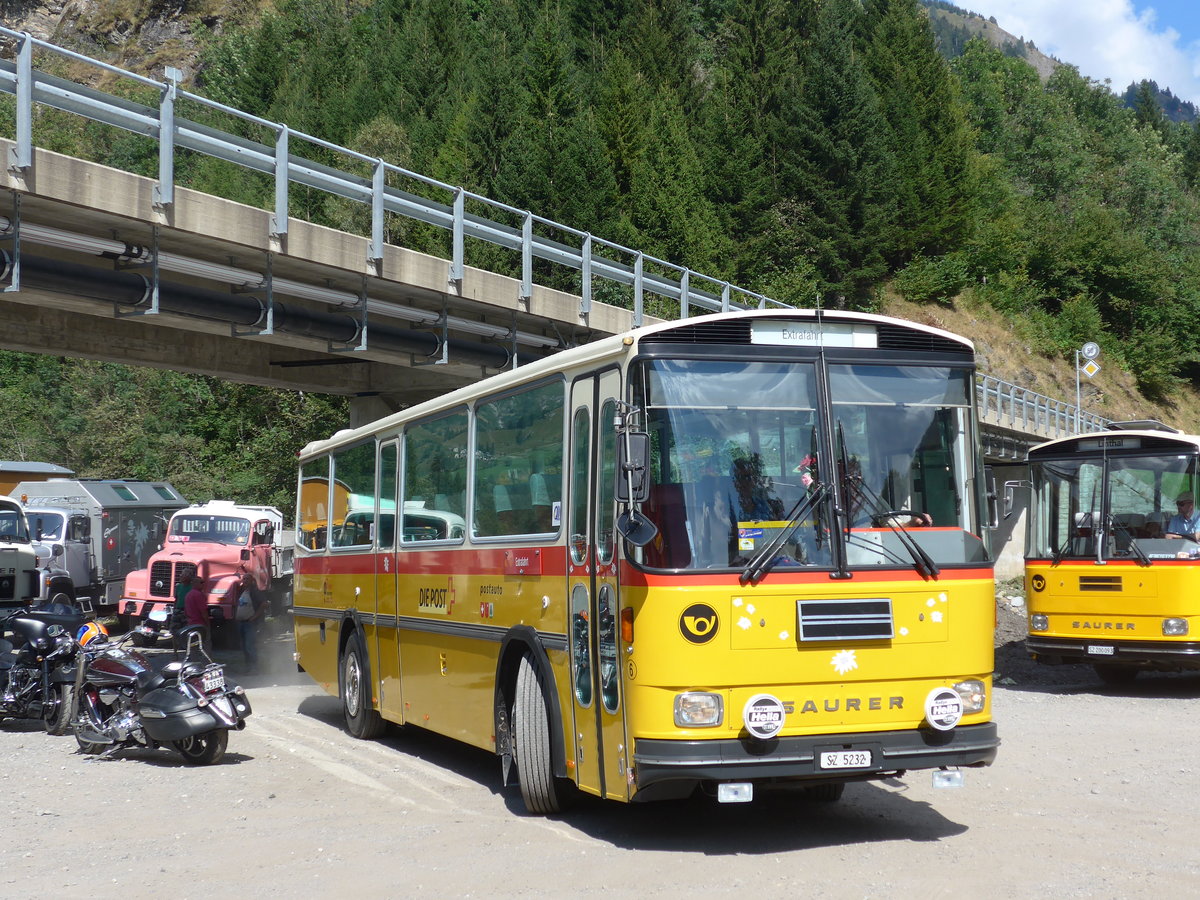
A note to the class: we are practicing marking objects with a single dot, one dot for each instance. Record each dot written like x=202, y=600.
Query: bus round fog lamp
x=698, y=710
x=1174, y=627
x=973, y=694
x=1038, y=622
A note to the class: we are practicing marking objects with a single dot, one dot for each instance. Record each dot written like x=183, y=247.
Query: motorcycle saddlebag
x=168, y=715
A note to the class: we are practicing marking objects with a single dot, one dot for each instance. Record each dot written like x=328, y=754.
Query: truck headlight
x=699, y=710
x=1174, y=627
x=1038, y=622
x=974, y=695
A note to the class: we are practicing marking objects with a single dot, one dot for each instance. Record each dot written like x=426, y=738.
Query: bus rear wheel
x=531, y=743
x=361, y=720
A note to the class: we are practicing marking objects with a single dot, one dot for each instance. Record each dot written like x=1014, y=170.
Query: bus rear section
x=1112, y=570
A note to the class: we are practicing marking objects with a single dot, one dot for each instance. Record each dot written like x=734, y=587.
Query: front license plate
x=1100, y=650
x=846, y=759
x=214, y=681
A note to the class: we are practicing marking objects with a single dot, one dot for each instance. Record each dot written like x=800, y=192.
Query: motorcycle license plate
x=213, y=681
x=846, y=759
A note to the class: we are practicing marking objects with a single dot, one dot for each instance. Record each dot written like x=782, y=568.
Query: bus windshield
x=1115, y=507
x=739, y=464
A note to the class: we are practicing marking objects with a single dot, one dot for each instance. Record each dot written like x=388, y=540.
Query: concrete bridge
x=109, y=265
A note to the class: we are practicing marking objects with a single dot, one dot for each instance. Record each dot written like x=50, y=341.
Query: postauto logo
x=699, y=623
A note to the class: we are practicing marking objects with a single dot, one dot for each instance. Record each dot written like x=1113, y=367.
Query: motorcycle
x=124, y=702
x=37, y=667
x=155, y=626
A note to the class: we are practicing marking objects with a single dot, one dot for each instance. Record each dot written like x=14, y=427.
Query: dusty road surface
x=1093, y=795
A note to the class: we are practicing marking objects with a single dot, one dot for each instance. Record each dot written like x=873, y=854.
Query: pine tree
x=927, y=128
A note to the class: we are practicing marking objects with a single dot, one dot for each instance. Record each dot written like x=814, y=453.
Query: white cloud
x=1105, y=39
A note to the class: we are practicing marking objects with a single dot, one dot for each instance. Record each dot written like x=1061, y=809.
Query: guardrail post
x=375, y=251
x=527, y=259
x=585, y=295
x=21, y=155
x=639, y=300
x=164, y=191
x=279, y=222
x=685, y=293
x=725, y=297
x=456, y=240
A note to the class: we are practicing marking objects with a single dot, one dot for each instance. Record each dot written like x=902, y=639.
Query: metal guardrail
x=1019, y=408
x=593, y=256
x=999, y=401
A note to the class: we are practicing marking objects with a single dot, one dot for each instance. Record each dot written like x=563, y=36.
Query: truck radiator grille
x=161, y=583
x=839, y=620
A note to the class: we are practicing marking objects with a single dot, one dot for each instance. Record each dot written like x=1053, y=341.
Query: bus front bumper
x=798, y=758
x=1169, y=655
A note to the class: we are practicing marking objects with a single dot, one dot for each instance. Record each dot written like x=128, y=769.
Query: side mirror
x=989, y=487
x=1010, y=489
x=633, y=462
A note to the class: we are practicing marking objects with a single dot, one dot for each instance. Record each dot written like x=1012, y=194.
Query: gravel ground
x=1091, y=796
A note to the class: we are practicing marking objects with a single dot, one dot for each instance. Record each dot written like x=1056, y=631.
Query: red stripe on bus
x=474, y=561
x=631, y=577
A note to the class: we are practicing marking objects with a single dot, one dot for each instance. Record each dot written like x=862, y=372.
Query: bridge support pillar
x=1008, y=540
x=368, y=408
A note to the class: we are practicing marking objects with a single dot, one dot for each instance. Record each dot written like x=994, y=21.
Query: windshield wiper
x=922, y=560
x=765, y=559
x=1137, y=551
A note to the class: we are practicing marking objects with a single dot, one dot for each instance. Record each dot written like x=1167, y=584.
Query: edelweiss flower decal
x=843, y=661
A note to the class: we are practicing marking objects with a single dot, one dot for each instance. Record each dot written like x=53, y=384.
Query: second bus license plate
x=845, y=759
x=1100, y=650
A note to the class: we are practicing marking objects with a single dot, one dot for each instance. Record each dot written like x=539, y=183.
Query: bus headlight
x=1174, y=627
x=973, y=694
x=1038, y=622
x=699, y=710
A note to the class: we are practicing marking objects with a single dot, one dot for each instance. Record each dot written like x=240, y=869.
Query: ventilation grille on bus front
x=839, y=620
x=1100, y=582
x=738, y=332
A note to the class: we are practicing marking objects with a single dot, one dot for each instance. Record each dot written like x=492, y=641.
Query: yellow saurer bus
x=1112, y=567
x=739, y=550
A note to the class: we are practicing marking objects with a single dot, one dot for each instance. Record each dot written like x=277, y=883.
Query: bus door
x=386, y=658
x=593, y=590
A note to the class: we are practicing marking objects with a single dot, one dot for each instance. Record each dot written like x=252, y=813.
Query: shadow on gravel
x=776, y=820
x=779, y=821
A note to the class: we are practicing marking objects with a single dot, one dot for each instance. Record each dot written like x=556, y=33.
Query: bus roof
x=613, y=346
x=1118, y=438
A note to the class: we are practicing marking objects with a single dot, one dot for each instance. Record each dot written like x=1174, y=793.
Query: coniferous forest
x=802, y=148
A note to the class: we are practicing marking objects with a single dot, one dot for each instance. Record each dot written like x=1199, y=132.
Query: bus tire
x=825, y=793
x=362, y=721
x=1116, y=676
x=531, y=742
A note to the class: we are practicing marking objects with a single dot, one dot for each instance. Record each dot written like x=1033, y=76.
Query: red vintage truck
x=224, y=542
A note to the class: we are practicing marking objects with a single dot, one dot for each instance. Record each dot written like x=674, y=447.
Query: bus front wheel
x=531, y=743
x=361, y=720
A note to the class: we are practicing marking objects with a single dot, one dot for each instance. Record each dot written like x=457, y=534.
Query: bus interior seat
x=513, y=511
x=544, y=491
x=665, y=507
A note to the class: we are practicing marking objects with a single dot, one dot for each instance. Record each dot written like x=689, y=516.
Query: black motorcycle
x=124, y=701
x=37, y=667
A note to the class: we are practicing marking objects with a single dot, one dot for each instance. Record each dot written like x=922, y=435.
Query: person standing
x=250, y=610
x=195, y=609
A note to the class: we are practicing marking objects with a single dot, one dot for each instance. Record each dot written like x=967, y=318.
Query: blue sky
x=1119, y=40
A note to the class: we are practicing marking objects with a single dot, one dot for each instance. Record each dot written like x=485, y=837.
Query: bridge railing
x=1021, y=409
x=534, y=238
x=1000, y=402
